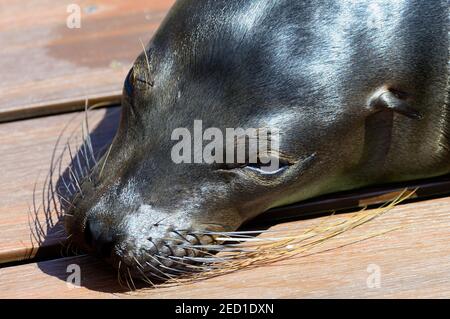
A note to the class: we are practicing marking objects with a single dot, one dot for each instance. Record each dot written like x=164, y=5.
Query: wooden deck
x=49, y=69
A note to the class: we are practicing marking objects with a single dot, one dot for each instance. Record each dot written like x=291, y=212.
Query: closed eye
x=273, y=167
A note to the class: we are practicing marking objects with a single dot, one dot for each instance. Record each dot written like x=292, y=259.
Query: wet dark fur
x=359, y=98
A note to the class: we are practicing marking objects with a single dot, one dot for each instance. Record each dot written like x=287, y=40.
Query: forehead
x=233, y=66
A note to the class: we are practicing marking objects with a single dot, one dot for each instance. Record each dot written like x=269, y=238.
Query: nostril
x=98, y=240
x=88, y=234
x=104, y=248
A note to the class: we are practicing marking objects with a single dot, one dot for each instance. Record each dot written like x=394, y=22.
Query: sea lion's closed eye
x=266, y=169
x=272, y=166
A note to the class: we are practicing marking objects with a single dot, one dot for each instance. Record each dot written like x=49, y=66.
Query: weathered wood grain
x=26, y=149
x=48, y=68
x=413, y=261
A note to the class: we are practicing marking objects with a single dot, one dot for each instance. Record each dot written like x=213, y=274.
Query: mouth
x=177, y=253
x=161, y=254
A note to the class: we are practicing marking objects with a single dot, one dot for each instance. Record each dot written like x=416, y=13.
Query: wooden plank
x=26, y=149
x=365, y=197
x=48, y=68
x=413, y=262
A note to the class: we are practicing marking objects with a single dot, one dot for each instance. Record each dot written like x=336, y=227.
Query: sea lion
x=358, y=91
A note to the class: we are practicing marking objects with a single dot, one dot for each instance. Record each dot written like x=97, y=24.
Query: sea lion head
x=249, y=66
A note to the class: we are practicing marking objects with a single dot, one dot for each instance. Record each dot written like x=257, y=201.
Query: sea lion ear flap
x=395, y=101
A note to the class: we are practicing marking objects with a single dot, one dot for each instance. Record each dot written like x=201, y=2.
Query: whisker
x=157, y=276
x=87, y=143
x=65, y=200
x=76, y=182
x=157, y=269
x=195, y=267
x=170, y=268
x=146, y=59
x=221, y=248
x=145, y=278
x=104, y=162
x=131, y=278
x=235, y=233
x=88, y=136
x=202, y=259
x=239, y=239
x=85, y=168
x=119, y=279
x=128, y=284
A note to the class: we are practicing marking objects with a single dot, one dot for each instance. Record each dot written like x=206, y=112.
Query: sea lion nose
x=98, y=238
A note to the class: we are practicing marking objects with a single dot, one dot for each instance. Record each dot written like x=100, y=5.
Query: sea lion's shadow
x=55, y=255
